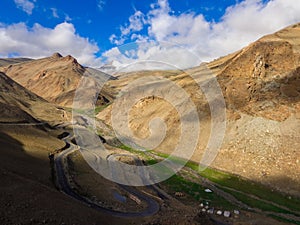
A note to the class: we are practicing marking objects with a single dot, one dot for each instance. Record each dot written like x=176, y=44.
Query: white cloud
x=67, y=18
x=242, y=24
x=54, y=13
x=25, y=5
x=116, y=40
x=117, y=56
x=40, y=41
x=150, y=55
x=136, y=23
x=249, y=20
x=100, y=4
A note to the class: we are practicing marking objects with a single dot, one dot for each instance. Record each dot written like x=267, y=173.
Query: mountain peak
x=71, y=59
x=56, y=55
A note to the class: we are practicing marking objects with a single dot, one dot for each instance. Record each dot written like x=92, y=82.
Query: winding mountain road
x=63, y=183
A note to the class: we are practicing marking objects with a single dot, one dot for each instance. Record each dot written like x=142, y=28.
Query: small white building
x=219, y=212
x=227, y=214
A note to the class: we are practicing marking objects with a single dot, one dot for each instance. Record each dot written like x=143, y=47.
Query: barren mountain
x=20, y=105
x=54, y=78
x=27, y=193
x=264, y=76
x=9, y=61
x=261, y=87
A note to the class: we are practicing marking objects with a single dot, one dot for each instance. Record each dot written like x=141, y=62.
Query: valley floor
x=186, y=191
x=28, y=194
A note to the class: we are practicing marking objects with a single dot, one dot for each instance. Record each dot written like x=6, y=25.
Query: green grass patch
x=254, y=203
x=151, y=161
x=234, y=182
x=243, y=185
x=249, y=187
x=179, y=184
x=129, y=149
x=90, y=111
x=161, y=169
x=285, y=220
x=100, y=108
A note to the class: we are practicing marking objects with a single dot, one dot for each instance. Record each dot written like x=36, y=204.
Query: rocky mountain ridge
x=261, y=88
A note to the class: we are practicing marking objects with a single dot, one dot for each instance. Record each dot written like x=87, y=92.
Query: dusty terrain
x=28, y=194
x=260, y=85
x=28, y=134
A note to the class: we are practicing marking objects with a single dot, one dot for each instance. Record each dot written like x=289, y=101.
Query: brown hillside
x=9, y=61
x=263, y=79
x=22, y=106
x=260, y=85
x=27, y=193
x=49, y=77
x=54, y=78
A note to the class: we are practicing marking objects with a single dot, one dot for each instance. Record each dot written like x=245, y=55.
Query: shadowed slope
x=19, y=105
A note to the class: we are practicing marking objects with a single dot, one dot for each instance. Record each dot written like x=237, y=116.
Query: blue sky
x=98, y=20
x=36, y=28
